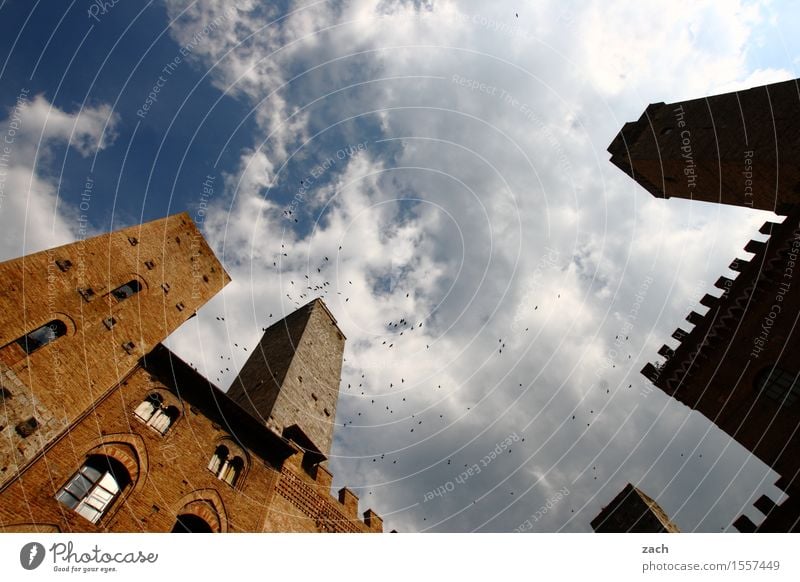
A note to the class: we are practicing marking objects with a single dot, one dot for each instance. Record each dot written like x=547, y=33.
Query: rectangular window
x=109, y=322
x=87, y=293
x=63, y=264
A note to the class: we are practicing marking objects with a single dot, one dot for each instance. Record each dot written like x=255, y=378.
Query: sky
x=437, y=172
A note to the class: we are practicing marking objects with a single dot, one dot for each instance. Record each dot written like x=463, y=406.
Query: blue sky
x=449, y=160
x=74, y=62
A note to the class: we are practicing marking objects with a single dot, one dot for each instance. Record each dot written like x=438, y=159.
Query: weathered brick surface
x=171, y=475
x=293, y=375
x=17, y=405
x=170, y=260
x=171, y=470
x=319, y=508
x=83, y=390
x=632, y=511
x=737, y=148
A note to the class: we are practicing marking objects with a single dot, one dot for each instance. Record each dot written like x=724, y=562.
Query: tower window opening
x=127, y=290
x=779, y=385
x=41, y=336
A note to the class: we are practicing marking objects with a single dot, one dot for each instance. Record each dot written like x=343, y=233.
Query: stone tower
x=78, y=318
x=291, y=380
x=737, y=148
x=632, y=511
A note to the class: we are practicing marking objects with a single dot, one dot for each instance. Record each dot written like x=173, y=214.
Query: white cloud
x=492, y=216
x=32, y=216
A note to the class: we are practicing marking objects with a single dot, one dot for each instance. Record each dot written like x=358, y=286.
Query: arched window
x=779, y=384
x=93, y=489
x=154, y=413
x=41, y=336
x=230, y=473
x=226, y=467
x=163, y=418
x=189, y=523
x=129, y=289
x=148, y=406
x=219, y=458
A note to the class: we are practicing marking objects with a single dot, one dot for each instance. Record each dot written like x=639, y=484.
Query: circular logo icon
x=31, y=555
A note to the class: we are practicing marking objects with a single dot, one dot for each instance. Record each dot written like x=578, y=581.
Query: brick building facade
x=104, y=429
x=739, y=365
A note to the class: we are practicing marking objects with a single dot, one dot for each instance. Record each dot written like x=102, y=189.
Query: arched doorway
x=189, y=523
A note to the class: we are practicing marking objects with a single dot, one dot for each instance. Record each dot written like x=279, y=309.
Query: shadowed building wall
x=738, y=363
x=737, y=148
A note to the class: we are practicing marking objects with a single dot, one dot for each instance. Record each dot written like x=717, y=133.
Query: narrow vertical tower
x=737, y=148
x=291, y=381
x=633, y=511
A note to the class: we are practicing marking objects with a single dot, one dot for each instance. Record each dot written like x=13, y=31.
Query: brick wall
x=736, y=148
x=105, y=336
x=170, y=472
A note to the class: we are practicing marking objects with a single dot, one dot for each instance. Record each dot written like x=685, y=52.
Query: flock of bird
x=392, y=410
x=315, y=284
x=394, y=406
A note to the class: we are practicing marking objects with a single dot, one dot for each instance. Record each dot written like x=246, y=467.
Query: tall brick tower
x=77, y=319
x=633, y=511
x=738, y=148
x=291, y=381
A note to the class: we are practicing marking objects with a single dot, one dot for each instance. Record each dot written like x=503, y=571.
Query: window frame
x=228, y=464
x=56, y=326
x=161, y=415
x=91, y=491
x=120, y=294
x=779, y=385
